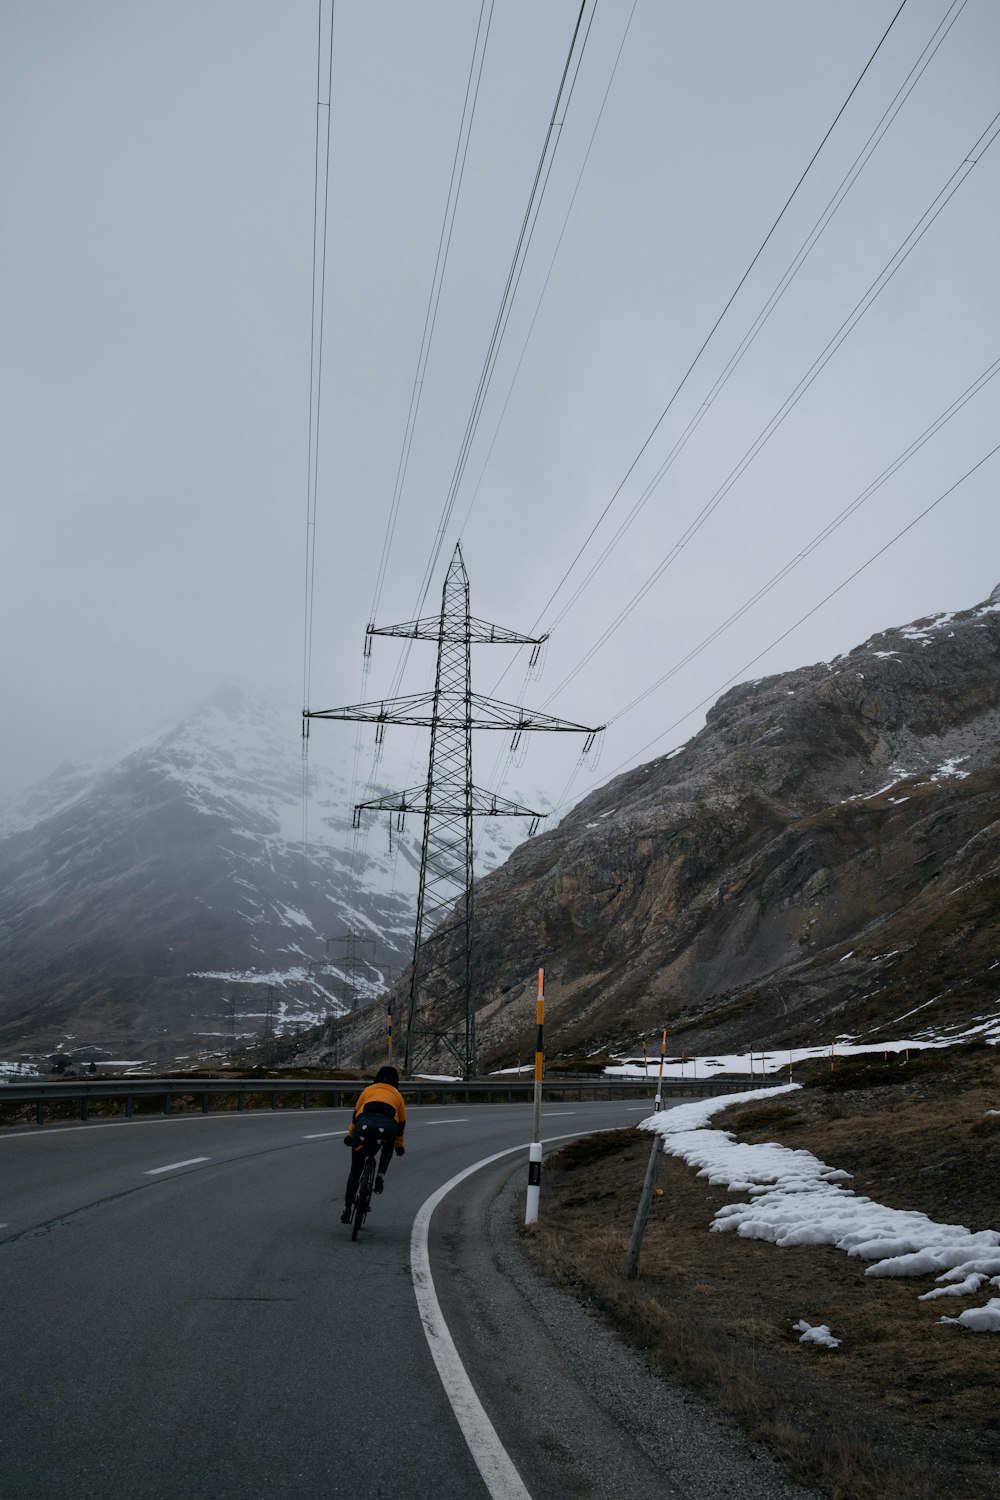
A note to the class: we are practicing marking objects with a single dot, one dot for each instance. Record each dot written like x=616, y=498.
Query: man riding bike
x=379, y=1105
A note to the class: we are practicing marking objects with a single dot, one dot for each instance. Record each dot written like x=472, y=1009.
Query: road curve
x=185, y=1315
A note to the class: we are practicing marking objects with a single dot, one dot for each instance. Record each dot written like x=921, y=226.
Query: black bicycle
x=363, y=1193
x=373, y=1134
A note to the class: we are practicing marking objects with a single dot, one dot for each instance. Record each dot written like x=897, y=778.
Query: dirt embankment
x=907, y=1405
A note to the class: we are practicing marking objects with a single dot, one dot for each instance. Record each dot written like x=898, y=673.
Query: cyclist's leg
x=357, y=1162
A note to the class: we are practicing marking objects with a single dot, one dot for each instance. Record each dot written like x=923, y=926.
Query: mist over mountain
x=822, y=859
x=140, y=895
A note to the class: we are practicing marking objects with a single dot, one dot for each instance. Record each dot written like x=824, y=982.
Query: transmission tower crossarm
x=479, y=632
x=452, y=712
x=494, y=714
x=482, y=804
x=403, y=710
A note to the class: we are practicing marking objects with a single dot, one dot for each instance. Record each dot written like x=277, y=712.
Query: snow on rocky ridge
x=140, y=892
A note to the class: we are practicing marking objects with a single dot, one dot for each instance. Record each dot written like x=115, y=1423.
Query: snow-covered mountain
x=144, y=898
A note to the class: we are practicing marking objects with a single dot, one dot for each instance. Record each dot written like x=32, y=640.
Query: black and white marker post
x=535, y=1149
x=658, y=1102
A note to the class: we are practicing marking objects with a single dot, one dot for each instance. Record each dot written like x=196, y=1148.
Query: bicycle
x=363, y=1193
x=373, y=1134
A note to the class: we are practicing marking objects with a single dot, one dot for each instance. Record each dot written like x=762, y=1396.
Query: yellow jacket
x=381, y=1094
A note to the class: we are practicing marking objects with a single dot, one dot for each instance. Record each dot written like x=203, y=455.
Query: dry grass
x=907, y=1405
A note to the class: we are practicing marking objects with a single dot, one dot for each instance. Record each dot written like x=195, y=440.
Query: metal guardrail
x=338, y=1093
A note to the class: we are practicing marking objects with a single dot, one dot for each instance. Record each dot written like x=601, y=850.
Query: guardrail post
x=241, y=1100
x=166, y=1104
x=39, y=1112
x=274, y=1099
x=204, y=1103
x=84, y=1112
x=305, y=1098
x=128, y=1106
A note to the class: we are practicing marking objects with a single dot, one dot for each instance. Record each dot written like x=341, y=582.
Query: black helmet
x=387, y=1075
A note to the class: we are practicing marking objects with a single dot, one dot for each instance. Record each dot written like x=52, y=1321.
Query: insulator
x=591, y=756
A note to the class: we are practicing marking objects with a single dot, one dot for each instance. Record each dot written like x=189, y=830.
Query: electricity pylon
x=352, y=958
x=448, y=799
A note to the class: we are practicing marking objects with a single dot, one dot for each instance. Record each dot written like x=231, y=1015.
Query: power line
x=731, y=299
x=781, y=287
x=827, y=531
x=875, y=289
x=437, y=282
x=321, y=175
x=548, y=274
x=899, y=99
x=359, y=842
x=528, y=222
x=713, y=696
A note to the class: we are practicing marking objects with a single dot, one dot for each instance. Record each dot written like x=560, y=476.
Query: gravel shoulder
x=906, y=1406
x=581, y=1411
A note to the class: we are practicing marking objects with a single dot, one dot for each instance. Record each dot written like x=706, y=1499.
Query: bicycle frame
x=363, y=1193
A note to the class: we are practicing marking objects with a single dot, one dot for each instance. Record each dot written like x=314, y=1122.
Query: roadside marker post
x=631, y=1266
x=535, y=1149
x=658, y=1101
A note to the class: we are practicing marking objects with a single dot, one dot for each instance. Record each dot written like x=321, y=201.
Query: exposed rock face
x=823, y=858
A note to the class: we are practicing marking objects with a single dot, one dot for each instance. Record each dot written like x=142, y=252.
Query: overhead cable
x=777, y=293
x=737, y=676
x=875, y=289
x=728, y=304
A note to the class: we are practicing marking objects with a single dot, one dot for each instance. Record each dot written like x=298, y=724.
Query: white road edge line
x=173, y=1166
x=462, y=1120
x=491, y=1457
x=323, y=1135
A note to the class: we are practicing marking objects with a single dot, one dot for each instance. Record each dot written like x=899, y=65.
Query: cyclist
x=380, y=1103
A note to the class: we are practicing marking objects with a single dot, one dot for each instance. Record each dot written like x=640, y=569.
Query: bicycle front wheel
x=363, y=1196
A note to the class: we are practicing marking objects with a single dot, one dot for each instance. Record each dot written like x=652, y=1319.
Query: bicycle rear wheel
x=363, y=1196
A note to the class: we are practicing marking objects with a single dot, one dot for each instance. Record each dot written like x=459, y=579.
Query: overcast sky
x=157, y=173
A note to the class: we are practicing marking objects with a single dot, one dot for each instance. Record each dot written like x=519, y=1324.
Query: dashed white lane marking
x=491, y=1457
x=557, y=1114
x=323, y=1135
x=462, y=1120
x=173, y=1166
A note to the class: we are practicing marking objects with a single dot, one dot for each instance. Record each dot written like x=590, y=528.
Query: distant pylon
x=352, y=958
x=448, y=800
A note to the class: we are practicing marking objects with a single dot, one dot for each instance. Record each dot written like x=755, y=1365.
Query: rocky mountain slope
x=823, y=858
x=139, y=898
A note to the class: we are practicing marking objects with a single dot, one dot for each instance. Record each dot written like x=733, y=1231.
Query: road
x=184, y=1315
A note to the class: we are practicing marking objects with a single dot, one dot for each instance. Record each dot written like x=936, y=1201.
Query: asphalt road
x=184, y=1315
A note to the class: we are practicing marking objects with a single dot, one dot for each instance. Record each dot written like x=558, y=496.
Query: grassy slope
x=907, y=1405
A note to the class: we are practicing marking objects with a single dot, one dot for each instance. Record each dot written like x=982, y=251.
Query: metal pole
x=631, y=1265
x=658, y=1101
x=535, y=1149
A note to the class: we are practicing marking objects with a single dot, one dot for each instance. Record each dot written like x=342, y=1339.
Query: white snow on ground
x=984, y=1319
x=759, y=1062
x=816, y=1333
x=796, y=1199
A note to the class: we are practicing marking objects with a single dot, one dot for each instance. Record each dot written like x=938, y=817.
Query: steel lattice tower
x=448, y=799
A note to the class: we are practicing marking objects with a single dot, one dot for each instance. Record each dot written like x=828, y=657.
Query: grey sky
x=156, y=168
